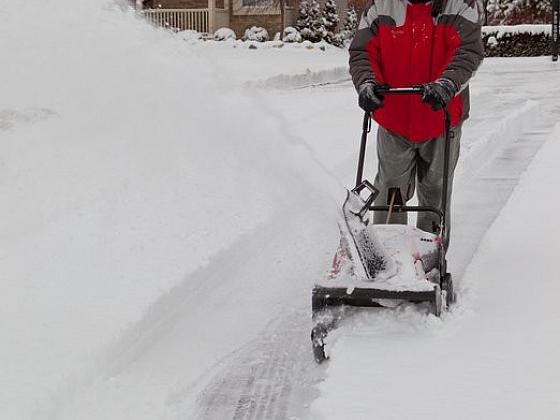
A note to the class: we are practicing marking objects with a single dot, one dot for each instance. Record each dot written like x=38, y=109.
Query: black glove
x=439, y=93
x=368, y=98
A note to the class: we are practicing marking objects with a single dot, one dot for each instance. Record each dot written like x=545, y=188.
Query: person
x=402, y=43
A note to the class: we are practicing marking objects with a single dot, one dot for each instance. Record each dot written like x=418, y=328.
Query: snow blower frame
x=329, y=303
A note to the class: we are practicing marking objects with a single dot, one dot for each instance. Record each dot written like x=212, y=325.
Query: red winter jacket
x=402, y=44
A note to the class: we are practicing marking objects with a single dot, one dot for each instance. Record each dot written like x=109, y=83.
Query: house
x=206, y=16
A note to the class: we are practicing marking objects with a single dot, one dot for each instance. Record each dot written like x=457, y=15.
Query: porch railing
x=180, y=19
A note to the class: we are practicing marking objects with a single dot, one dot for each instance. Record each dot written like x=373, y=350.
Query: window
x=257, y=3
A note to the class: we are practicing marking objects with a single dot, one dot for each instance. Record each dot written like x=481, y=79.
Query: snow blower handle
x=366, y=126
x=419, y=90
x=412, y=90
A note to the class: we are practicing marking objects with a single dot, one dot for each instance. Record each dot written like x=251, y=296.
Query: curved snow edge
x=514, y=124
x=309, y=78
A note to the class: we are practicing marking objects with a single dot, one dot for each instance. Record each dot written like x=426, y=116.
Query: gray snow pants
x=415, y=166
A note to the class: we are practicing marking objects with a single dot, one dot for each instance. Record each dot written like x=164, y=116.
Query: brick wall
x=240, y=23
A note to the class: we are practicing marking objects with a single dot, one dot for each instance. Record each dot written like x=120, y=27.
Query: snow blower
x=382, y=265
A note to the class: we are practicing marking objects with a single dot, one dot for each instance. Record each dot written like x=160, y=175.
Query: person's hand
x=439, y=93
x=368, y=98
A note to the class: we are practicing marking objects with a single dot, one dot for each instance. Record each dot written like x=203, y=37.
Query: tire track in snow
x=273, y=378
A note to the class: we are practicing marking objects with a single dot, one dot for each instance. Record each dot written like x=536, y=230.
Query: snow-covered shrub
x=330, y=17
x=492, y=42
x=190, y=36
x=517, y=41
x=310, y=23
x=291, y=34
x=317, y=29
x=303, y=20
x=308, y=45
x=350, y=24
x=331, y=22
x=335, y=39
x=224, y=34
x=256, y=33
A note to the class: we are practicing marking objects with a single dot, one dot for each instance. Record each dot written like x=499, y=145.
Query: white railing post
x=211, y=16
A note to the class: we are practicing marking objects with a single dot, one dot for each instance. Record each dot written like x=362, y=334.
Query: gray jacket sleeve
x=465, y=16
x=360, y=67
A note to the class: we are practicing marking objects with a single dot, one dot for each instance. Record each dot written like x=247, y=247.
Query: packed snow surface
x=167, y=203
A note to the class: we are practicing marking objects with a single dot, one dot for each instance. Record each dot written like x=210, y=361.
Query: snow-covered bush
x=317, y=30
x=335, y=39
x=350, y=24
x=190, y=36
x=310, y=23
x=330, y=19
x=291, y=34
x=517, y=41
x=256, y=33
x=303, y=21
x=224, y=34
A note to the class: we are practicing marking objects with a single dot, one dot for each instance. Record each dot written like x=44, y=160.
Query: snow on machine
x=382, y=265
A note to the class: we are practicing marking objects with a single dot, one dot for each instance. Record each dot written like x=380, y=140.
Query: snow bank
x=515, y=119
x=127, y=163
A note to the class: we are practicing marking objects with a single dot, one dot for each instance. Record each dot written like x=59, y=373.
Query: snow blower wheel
x=438, y=301
x=448, y=289
x=318, y=335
